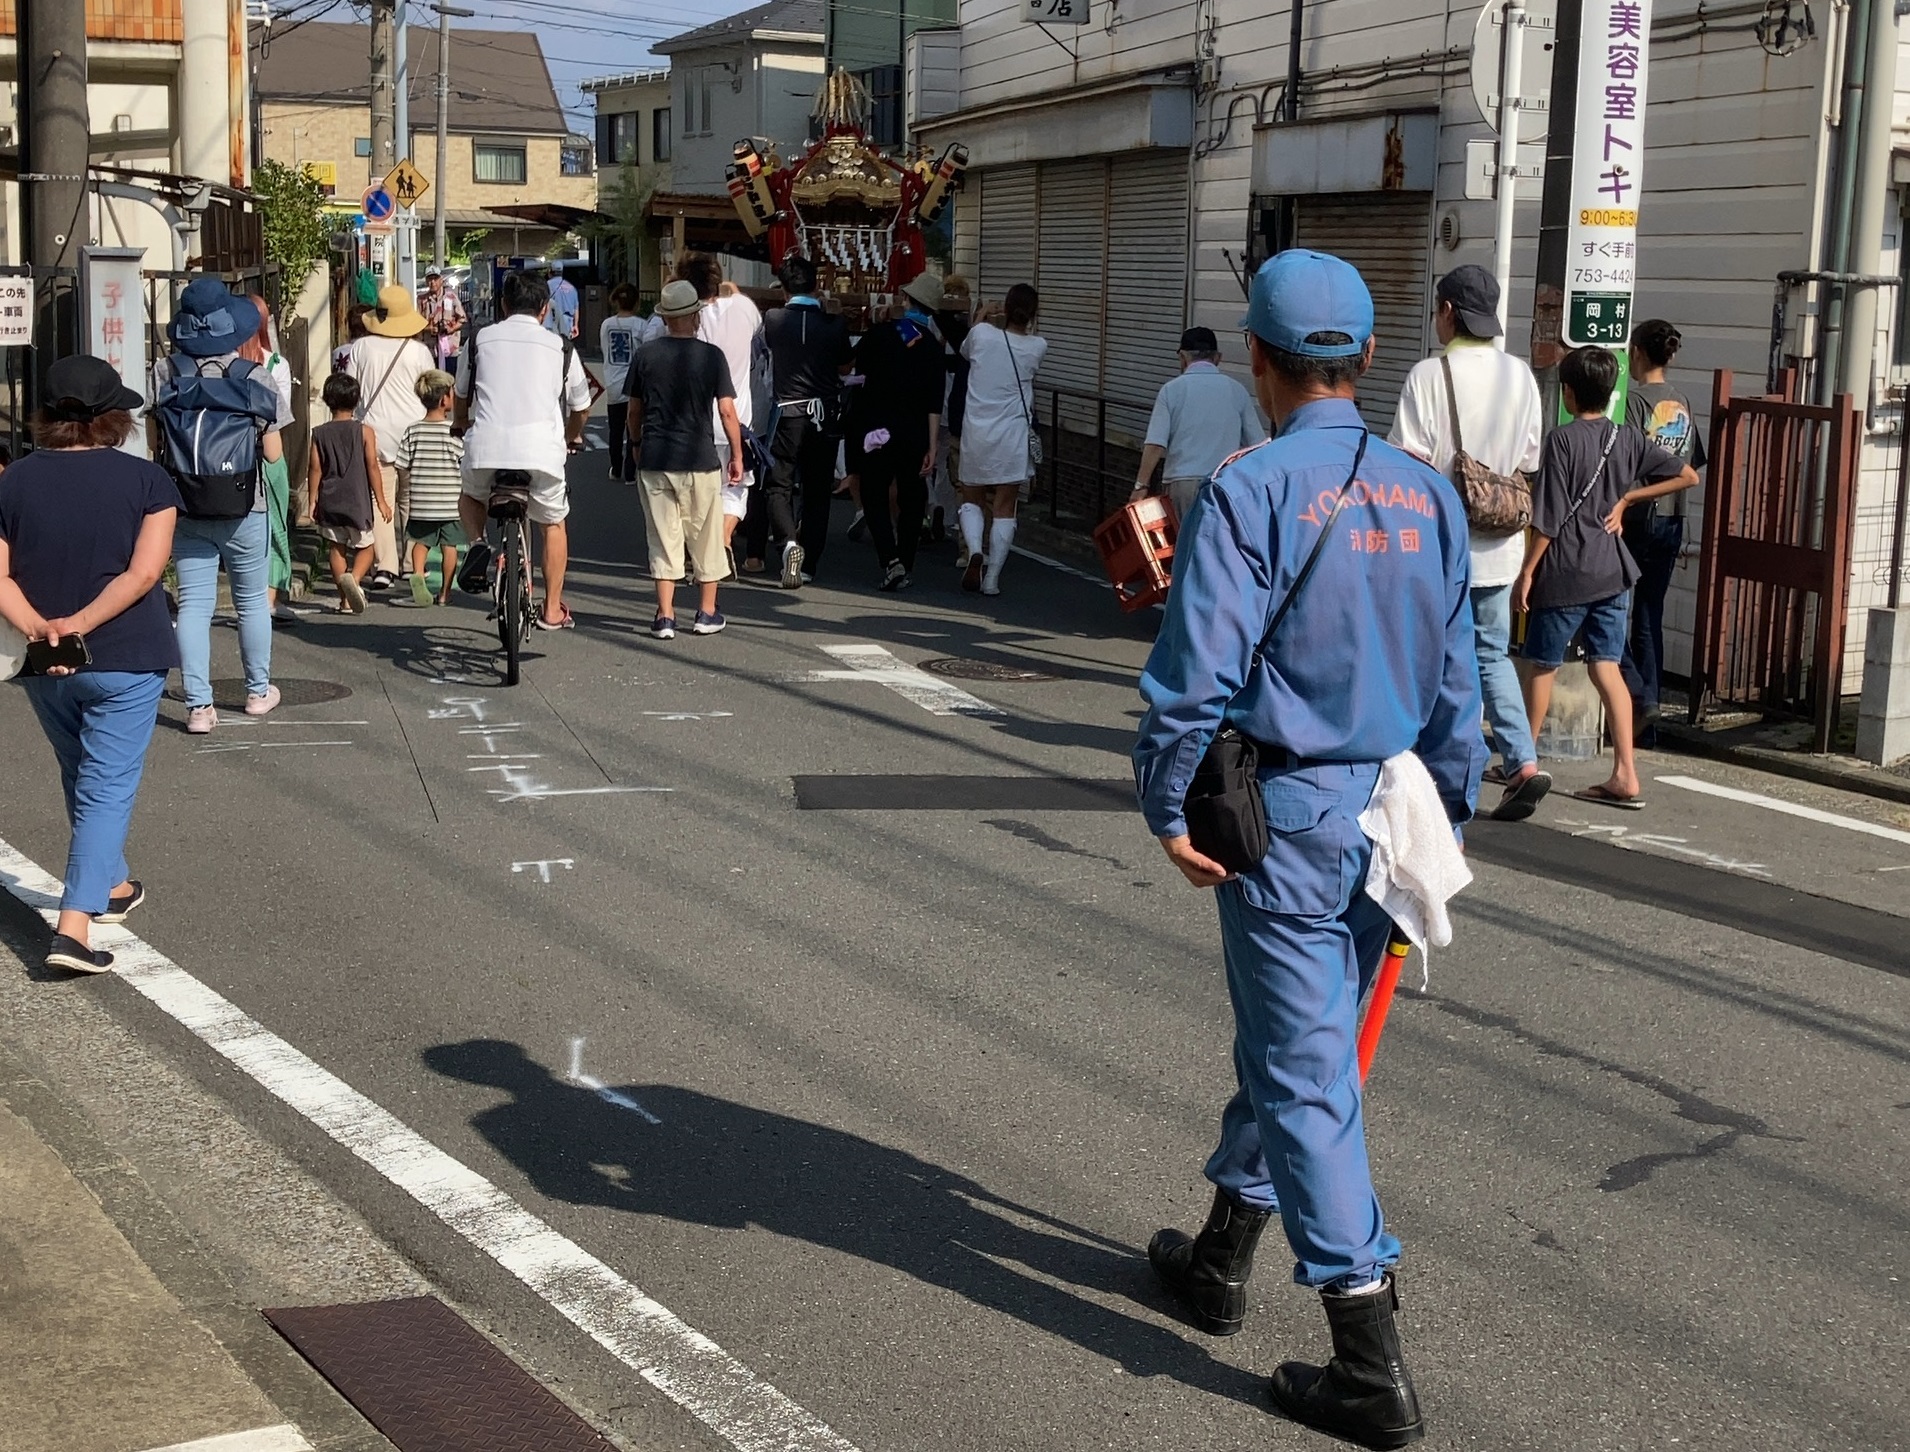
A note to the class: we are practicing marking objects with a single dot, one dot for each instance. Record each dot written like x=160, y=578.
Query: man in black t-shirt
x=809, y=352
x=672, y=385
x=901, y=419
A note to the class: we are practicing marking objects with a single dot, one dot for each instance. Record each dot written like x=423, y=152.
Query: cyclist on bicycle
x=522, y=398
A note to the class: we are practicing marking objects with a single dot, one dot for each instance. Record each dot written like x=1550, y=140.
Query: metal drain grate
x=228, y=693
x=426, y=1378
x=956, y=668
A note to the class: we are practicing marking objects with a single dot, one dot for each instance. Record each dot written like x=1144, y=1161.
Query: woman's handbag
x=1498, y=504
x=1226, y=813
x=1034, y=434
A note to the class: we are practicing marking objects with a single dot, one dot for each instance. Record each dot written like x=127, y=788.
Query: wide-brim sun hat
x=396, y=315
x=678, y=300
x=210, y=319
x=924, y=290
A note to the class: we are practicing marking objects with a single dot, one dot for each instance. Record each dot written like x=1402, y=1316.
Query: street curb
x=1827, y=771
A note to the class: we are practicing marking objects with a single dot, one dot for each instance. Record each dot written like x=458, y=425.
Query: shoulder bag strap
x=390, y=368
x=1452, y=404
x=1596, y=475
x=1008, y=341
x=1319, y=547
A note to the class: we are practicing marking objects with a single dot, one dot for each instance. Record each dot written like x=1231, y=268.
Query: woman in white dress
x=1003, y=354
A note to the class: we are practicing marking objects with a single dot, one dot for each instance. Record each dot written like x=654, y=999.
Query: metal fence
x=1774, y=563
x=1091, y=453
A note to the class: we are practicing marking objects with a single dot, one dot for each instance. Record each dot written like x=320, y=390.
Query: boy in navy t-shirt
x=1577, y=576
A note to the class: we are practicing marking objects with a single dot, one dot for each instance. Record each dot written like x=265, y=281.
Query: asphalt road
x=931, y=1056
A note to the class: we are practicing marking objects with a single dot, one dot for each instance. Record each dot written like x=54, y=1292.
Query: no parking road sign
x=379, y=206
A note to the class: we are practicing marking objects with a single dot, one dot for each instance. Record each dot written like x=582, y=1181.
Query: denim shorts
x=1600, y=627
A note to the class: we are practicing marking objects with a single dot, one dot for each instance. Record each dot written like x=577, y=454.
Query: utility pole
x=406, y=234
x=445, y=12
x=51, y=85
x=384, y=155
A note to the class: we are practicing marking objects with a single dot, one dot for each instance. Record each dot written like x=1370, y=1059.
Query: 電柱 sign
x=16, y=311
x=1608, y=167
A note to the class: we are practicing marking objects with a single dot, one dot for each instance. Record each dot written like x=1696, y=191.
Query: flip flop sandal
x=569, y=622
x=1606, y=798
x=1523, y=800
x=1494, y=776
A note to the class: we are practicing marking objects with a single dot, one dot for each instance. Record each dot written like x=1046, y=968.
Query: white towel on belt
x=1416, y=867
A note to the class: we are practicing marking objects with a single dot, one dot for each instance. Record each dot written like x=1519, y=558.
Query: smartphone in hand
x=71, y=653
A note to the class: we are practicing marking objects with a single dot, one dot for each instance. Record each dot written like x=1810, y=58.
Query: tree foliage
x=623, y=225
x=297, y=233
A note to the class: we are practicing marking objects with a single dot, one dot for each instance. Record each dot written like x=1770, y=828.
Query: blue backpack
x=211, y=427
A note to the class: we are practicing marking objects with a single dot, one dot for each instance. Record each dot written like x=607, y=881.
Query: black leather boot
x=1364, y=1393
x=1209, y=1271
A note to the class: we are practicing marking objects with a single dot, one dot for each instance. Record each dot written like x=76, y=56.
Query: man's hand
x=1521, y=593
x=928, y=464
x=734, y=472
x=55, y=629
x=1197, y=869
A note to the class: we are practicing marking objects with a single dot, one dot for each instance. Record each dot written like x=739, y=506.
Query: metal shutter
x=1072, y=252
x=1385, y=236
x=966, y=259
x=1147, y=272
x=1007, y=230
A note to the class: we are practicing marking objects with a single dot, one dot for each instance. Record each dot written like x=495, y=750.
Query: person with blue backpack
x=217, y=419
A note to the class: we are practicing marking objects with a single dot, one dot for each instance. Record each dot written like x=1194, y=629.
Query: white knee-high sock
x=1001, y=538
x=973, y=522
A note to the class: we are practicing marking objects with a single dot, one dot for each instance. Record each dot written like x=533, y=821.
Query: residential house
x=1135, y=172
x=509, y=144
x=634, y=139
x=753, y=75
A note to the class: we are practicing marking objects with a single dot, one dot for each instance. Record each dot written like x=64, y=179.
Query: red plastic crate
x=1137, y=546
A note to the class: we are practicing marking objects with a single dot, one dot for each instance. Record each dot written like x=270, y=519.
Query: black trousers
x=897, y=463
x=796, y=496
x=623, y=462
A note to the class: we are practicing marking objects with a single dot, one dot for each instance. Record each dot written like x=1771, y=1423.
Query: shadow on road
x=726, y=1165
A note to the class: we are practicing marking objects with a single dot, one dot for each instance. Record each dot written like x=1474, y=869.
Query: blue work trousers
x=99, y=724
x=1499, y=678
x=245, y=544
x=1303, y=942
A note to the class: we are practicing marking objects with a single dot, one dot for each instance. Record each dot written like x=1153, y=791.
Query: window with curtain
x=622, y=145
x=660, y=134
x=503, y=162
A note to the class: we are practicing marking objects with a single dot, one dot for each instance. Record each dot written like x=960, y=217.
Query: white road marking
x=1630, y=840
x=231, y=720
x=698, y=715
x=533, y=793
x=1789, y=809
x=543, y=866
x=938, y=697
x=266, y=746
x=1100, y=580
x=681, y=1362
x=602, y=1090
x=282, y=1438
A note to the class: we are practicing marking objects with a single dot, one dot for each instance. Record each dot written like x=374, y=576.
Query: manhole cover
x=958, y=669
x=228, y=693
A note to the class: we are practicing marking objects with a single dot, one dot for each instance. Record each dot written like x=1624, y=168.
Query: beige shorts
x=550, y=500
x=683, y=513
x=345, y=536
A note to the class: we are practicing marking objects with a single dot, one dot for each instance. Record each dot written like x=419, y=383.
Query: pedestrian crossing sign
x=406, y=183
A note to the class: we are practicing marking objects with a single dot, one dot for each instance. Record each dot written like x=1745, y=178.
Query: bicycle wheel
x=511, y=614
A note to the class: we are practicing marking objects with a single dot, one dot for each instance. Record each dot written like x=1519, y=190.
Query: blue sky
x=582, y=39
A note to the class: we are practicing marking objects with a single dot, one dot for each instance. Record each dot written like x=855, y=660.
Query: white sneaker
x=264, y=703
x=201, y=719
x=792, y=566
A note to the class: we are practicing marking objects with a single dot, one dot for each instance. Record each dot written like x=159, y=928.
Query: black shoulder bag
x=1226, y=814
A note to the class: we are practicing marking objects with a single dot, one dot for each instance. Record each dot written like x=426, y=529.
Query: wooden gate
x=1774, y=564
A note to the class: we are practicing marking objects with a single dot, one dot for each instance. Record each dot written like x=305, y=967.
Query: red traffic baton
x=1381, y=1000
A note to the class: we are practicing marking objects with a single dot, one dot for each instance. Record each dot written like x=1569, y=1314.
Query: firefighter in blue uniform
x=1375, y=657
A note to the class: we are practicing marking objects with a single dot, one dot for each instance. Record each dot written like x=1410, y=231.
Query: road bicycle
x=511, y=587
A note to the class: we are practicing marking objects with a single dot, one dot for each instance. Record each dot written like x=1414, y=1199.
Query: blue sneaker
x=663, y=628
x=708, y=624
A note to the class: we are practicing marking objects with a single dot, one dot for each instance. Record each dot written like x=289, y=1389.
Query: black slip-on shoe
x=118, y=907
x=76, y=957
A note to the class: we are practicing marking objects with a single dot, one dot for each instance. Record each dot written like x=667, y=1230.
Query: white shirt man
x=732, y=323
x=521, y=409
x=1498, y=404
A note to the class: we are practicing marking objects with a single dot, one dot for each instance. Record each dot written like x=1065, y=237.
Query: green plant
x=623, y=223
x=297, y=231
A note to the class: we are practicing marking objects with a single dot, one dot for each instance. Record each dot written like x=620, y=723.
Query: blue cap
x=1297, y=293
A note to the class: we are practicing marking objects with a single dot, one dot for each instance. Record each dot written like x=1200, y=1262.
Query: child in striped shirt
x=430, y=464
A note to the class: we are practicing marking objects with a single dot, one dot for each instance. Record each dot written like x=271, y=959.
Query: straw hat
x=396, y=315
x=925, y=290
x=678, y=300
